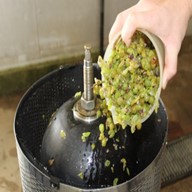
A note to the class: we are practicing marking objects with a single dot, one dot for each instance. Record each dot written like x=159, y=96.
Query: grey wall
x=32, y=31
x=112, y=8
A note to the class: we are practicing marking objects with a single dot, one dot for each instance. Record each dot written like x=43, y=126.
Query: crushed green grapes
x=107, y=163
x=85, y=135
x=81, y=175
x=124, y=162
x=62, y=134
x=115, y=181
x=130, y=80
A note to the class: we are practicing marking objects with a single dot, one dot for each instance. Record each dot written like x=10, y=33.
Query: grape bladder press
x=67, y=139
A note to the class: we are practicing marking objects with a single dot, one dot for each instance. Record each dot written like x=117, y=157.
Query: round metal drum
x=145, y=147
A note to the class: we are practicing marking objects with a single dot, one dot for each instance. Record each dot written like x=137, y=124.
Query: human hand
x=167, y=19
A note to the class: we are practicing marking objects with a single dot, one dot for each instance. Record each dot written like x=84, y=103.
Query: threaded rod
x=88, y=74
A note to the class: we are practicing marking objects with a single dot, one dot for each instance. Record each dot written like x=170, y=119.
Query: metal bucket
x=32, y=117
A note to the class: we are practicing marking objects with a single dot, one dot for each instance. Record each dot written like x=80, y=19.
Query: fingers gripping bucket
x=32, y=117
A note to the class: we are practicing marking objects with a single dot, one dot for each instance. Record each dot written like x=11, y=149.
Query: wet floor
x=177, y=99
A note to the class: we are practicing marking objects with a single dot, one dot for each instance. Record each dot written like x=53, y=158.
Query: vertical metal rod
x=88, y=74
x=84, y=109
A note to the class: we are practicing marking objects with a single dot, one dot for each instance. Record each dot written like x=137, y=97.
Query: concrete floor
x=177, y=99
x=9, y=171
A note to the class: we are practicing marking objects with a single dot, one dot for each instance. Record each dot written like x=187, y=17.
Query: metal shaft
x=88, y=100
x=88, y=74
x=85, y=108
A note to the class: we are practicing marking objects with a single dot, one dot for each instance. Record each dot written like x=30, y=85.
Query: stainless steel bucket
x=32, y=117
